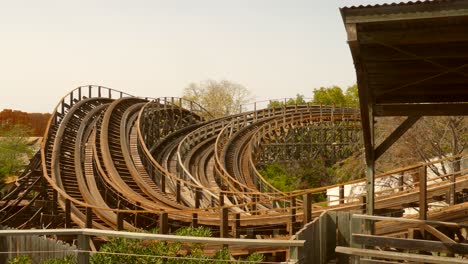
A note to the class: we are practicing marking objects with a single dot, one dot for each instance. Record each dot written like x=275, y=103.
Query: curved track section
x=110, y=160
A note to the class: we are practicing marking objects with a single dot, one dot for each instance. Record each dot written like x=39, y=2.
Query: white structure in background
x=391, y=184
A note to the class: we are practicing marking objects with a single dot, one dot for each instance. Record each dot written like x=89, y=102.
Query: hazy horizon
x=274, y=48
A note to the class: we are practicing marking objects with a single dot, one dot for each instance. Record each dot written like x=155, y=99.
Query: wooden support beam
x=395, y=135
x=237, y=225
x=341, y=195
x=89, y=217
x=398, y=256
x=423, y=195
x=120, y=221
x=292, y=221
x=67, y=213
x=224, y=226
x=442, y=109
x=197, y=205
x=411, y=244
x=307, y=203
x=178, y=195
x=433, y=231
x=54, y=202
x=163, y=223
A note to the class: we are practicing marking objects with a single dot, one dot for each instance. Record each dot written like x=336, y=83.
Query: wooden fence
x=38, y=248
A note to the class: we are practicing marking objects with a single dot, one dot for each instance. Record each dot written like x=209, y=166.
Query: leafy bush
x=133, y=251
x=20, y=260
x=66, y=260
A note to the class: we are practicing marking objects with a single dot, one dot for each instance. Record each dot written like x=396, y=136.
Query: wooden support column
x=54, y=202
x=89, y=217
x=253, y=208
x=120, y=221
x=163, y=223
x=292, y=216
x=341, y=195
x=422, y=193
x=307, y=208
x=163, y=183
x=223, y=215
x=423, y=197
x=236, y=229
x=401, y=182
x=197, y=205
x=67, y=213
x=362, y=200
x=178, y=197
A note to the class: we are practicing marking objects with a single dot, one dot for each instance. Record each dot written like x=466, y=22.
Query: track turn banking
x=110, y=160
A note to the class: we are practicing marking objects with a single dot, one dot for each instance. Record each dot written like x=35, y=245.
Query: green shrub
x=20, y=260
x=66, y=260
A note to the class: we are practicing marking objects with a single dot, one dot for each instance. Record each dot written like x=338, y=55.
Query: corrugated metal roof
x=409, y=3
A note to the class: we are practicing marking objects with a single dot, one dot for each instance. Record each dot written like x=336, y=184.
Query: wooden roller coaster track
x=111, y=161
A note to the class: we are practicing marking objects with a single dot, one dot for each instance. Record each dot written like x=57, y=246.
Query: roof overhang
x=411, y=59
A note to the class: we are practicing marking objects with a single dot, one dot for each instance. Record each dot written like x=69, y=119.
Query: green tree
x=291, y=101
x=14, y=150
x=220, y=98
x=352, y=96
x=334, y=96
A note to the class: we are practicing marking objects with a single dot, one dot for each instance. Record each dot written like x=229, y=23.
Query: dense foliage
x=15, y=151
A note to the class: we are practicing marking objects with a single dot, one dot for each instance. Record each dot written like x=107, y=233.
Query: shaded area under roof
x=411, y=60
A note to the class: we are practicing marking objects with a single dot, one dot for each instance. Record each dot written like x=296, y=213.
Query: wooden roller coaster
x=113, y=161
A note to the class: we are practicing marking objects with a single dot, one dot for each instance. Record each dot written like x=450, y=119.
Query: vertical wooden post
x=422, y=193
x=83, y=249
x=223, y=228
x=452, y=190
x=236, y=229
x=163, y=183
x=362, y=201
x=197, y=205
x=307, y=208
x=253, y=208
x=54, y=202
x=89, y=217
x=423, y=197
x=401, y=182
x=178, y=198
x=292, y=216
x=341, y=195
x=163, y=223
x=67, y=213
x=119, y=221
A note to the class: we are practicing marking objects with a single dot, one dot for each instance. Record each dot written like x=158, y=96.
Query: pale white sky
x=275, y=48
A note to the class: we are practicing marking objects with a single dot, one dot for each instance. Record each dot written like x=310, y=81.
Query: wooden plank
x=422, y=109
x=398, y=256
x=376, y=261
x=395, y=135
x=437, y=234
x=410, y=244
x=405, y=220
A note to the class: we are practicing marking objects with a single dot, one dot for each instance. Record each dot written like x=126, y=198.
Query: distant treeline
x=37, y=122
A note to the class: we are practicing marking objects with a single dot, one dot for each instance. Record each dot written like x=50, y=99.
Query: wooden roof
x=411, y=59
